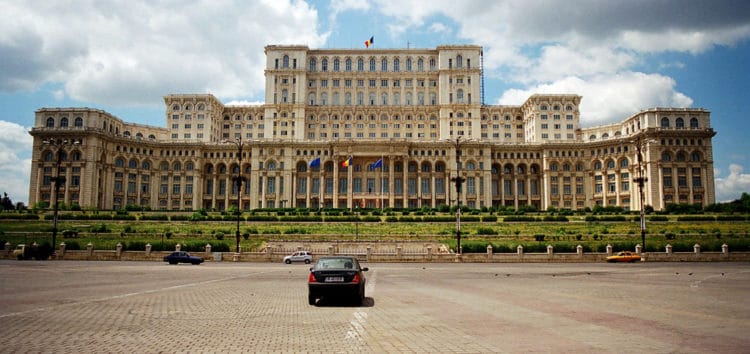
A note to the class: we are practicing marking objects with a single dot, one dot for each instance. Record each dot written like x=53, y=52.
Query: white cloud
x=732, y=186
x=609, y=98
x=558, y=61
x=438, y=27
x=131, y=53
x=15, y=143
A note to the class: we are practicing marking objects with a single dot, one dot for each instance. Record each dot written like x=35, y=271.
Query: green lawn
x=503, y=236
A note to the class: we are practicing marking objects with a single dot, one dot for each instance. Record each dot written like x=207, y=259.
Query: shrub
x=70, y=233
x=486, y=231
x=539, y=237
x=134, y=246
x=100, y=228
x=219, y=235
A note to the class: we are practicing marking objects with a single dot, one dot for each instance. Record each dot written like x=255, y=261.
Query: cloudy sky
x=621, y=56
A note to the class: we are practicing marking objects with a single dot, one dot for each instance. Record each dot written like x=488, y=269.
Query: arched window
x=64, y=122
x=396, y=65
x=177, y=166
x=624, y=163
x=681, y=156
x=313, y=64
x=49, y=156
x=610, y=164
x=78, y=122
x=420, y=64
x=360, y=64
x=164, y=166
x=384, y=65
x=693, y=123
x=666, y=156
x=284, y=95
x=324, y=65
x=408, y=64
x=132, y=163
x=336, y=64
x=598, y=165
x=272, y=166
x=470, y=166
x=348, y=64
x=459, y=61
x=695, y=157
x=665, y=122
x=145, y=165
x=460, y=96
x=372, y=64
x=679, y=123
x=119, y=162
x=189, y=166
x=50, y=122
x=285, y=61
x=553, y=166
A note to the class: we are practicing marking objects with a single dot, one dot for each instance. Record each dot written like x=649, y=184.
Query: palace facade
x=407, y=122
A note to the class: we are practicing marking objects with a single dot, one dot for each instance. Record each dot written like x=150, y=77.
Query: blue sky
x=621, y=56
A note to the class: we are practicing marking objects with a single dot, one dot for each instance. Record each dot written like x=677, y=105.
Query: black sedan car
x=182, y=257
x=336, y=276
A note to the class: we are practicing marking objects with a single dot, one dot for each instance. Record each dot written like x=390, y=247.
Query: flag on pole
x=369, y=42
x=377, y=164
x=315, y=163
x=347, y=162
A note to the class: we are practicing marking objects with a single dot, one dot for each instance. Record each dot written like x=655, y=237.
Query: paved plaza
x=151, y=307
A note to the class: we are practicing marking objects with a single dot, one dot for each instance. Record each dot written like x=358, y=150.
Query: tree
x=6, y=203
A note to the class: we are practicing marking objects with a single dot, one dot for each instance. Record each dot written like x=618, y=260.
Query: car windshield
x=335, y=263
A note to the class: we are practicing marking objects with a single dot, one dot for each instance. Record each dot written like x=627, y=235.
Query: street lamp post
x=58, y=180
x=238, y=180
x=641, y=180
x=458, y=180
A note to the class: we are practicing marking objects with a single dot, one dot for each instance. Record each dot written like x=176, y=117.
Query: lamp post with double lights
x=641, y=181
x=458, y=180
x=58, y=181
x=238, y=181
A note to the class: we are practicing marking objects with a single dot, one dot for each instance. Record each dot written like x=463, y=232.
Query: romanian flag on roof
x=347, y=162
x=369, y=42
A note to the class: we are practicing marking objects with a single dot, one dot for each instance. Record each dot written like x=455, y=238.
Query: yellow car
x=624, y=256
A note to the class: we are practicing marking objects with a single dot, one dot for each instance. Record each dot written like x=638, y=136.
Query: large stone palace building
x=348, y=128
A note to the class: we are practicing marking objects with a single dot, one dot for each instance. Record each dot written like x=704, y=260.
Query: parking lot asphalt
x=150, y=307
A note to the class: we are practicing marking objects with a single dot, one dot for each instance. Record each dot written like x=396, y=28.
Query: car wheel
x=288, y=261
x=307, y=261
x=311, y=299
x=359, y=297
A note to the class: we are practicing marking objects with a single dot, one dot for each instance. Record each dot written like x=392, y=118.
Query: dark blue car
x=182, y=257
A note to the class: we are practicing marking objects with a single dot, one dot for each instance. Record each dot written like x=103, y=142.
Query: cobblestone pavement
x=147, y=307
